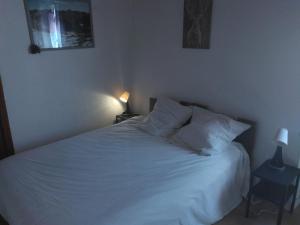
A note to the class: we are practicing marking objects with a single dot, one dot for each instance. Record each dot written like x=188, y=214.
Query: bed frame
x=247, y=139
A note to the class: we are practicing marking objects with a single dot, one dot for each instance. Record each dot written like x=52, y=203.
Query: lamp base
x=277, y=162
x=128, y=111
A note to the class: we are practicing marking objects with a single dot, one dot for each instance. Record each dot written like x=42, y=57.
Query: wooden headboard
x=6, y=143
x=247, y=139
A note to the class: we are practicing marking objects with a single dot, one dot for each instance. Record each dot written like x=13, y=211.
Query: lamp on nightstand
x=282, y=140
x=124, y=98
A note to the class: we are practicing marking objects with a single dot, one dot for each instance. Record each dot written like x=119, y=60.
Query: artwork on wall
x=197, y=23
x=59, y=24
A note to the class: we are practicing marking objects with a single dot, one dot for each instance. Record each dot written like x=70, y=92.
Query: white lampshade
x=282, y=136
x=125, y=96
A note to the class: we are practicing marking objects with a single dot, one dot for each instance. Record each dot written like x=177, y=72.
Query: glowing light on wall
x=108, y=104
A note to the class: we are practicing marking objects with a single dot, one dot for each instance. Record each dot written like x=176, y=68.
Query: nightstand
x=123, y=117
x=276, y=186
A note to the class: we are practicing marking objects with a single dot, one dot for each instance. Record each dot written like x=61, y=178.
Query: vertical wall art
x=197, y=23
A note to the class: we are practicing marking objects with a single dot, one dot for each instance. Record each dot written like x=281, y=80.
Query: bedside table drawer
x=273, y=193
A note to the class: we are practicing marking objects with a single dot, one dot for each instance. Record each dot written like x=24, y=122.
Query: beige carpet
x=237, y=217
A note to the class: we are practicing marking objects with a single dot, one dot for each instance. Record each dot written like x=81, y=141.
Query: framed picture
x=197, y=23
x=60, y=24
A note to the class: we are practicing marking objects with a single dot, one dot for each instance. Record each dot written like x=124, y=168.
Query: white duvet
x=121, y=176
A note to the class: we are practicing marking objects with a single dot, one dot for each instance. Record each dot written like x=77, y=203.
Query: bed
x=120, y=175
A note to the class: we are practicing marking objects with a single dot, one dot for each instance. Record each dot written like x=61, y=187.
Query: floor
x=237, y=217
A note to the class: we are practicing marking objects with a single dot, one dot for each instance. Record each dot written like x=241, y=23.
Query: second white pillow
x=209, y=131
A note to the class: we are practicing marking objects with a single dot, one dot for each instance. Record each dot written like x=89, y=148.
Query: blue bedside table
x=276, y=186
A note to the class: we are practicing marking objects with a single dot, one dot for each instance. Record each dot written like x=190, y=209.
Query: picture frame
x=59, y=24
x=197, y=23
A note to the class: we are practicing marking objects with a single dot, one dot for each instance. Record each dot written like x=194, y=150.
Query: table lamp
x=124, y=98
x=282, y=140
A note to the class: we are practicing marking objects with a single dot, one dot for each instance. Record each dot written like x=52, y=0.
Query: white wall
x=251, y=70
x=61, y=93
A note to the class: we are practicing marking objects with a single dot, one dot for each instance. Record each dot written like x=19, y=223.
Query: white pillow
x=166, y=117
x=232, y=128
x=202, y=137
x=209, y=131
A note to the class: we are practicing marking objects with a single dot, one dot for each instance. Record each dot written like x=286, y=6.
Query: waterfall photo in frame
x=60, y=24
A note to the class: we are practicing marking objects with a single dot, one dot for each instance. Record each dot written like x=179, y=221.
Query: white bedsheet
x=120, y=176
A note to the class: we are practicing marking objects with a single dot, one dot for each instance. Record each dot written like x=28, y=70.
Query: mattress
x=120, y=175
